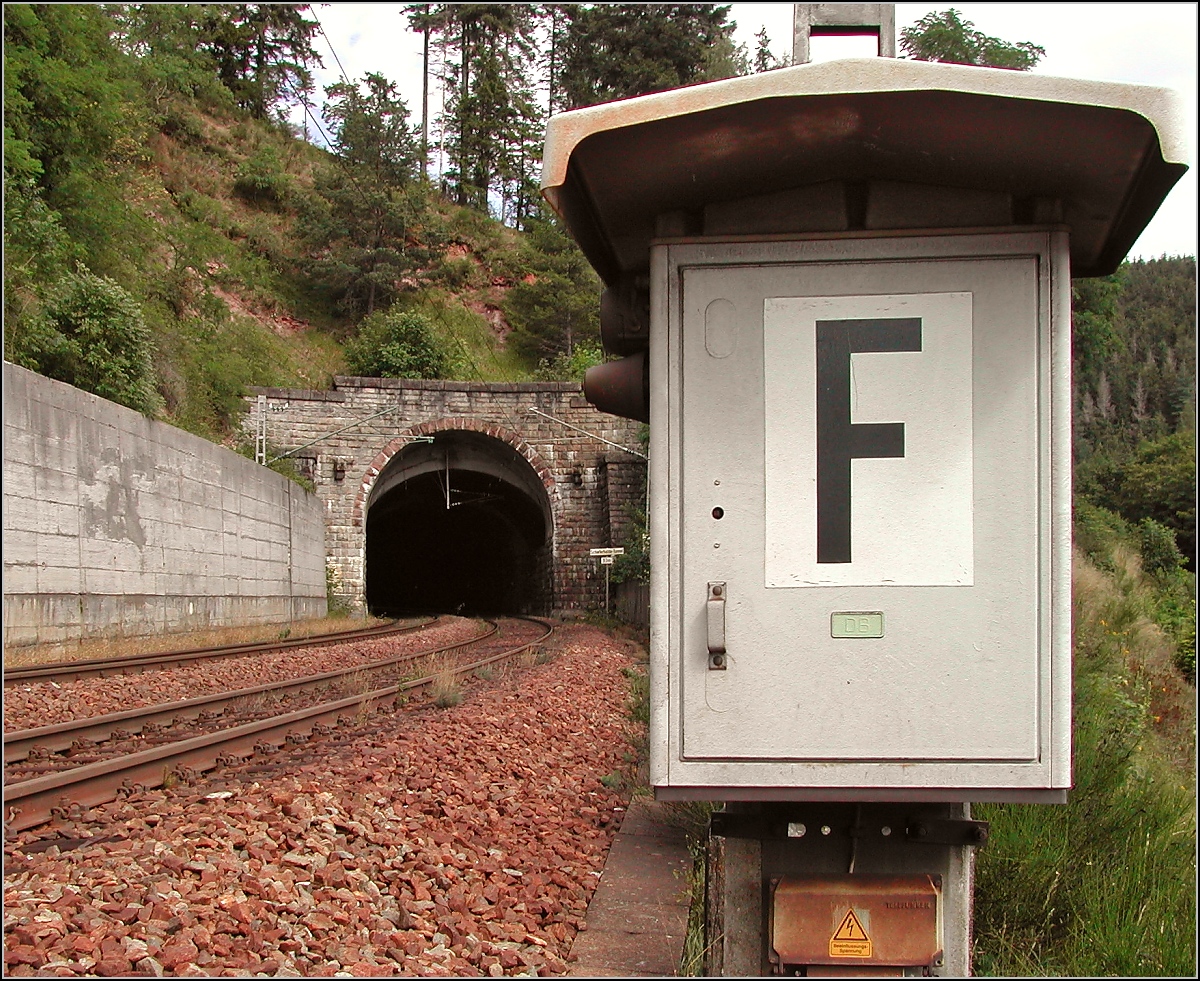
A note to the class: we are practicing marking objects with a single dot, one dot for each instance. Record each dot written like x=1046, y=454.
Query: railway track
x=48, y=742
x=106, y=667
x=71, y=791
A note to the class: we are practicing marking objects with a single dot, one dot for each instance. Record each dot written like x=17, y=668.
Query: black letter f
x=839, y=441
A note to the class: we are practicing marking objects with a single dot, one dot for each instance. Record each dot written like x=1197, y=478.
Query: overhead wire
x=332, y=50
x=439, y=315
x=446, y=324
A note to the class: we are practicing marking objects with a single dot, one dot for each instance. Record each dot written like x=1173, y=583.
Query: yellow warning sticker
x=850, y=939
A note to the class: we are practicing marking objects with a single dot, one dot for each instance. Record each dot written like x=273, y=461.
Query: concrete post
x=734, y=942
x=842, y=18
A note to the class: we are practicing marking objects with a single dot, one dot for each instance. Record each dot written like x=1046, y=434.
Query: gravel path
x=48, y=702
x=464, y=841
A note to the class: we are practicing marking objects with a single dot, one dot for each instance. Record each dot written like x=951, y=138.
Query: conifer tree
x=615, y=51
x=359, y=222
x=262, y=51
x=422, y=19
x=764, y=60
x=491, y=124
x=556, y=307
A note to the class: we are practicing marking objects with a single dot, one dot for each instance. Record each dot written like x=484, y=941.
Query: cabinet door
x=865, y=474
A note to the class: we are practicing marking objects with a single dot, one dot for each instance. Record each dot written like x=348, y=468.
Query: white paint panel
x=911, y=516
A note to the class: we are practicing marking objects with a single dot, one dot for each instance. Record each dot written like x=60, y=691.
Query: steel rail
x=104, y=666
x=19, y=743
x=70, y=793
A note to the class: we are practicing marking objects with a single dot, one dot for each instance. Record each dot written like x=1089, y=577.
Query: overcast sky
x=1145, y=43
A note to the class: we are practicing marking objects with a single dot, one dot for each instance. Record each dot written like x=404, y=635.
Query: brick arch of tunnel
x=463, y=523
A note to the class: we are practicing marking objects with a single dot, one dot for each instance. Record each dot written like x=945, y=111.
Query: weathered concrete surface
x=637, y=919
x=116, y=525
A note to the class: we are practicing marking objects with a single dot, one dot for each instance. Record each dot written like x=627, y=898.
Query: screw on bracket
x=128, y=788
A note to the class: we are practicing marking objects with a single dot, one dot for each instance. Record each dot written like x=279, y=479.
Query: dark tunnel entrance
x=460, y=525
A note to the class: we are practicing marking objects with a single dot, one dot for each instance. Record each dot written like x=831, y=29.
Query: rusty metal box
x=856, y=921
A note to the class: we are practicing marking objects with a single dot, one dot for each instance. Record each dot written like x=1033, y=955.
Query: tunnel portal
x=460, y=525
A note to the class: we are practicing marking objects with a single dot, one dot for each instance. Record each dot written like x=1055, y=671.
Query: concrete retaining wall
x=115, y=525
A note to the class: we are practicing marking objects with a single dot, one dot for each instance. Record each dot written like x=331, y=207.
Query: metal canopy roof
x=1109, y=152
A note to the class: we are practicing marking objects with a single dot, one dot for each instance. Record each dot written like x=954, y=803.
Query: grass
x=638, y=734
x=358, y=682
x=446, y=690
x=1106, y=884
x=260, y=703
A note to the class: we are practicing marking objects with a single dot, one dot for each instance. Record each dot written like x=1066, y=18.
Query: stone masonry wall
x=116, y=525
x=345, y=437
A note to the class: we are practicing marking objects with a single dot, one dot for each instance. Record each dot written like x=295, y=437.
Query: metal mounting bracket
x=714, y=610
x=947, y=831
x=930, y=831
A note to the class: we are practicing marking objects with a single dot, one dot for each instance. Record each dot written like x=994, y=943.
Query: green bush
x=1158, y=548
x=1175, y=612
x=457, y=274
x=396, y=344
x=634, y=565
x=261, y=179
x=91, y=334
x=200, y=207
x=1156, y=481
x=181, y=123
x=1097, y=530
x=571, y=366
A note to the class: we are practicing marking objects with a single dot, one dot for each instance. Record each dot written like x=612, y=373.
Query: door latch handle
x=715, y=618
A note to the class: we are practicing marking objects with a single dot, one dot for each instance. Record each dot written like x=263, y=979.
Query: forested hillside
x=171, y=240
x=1135, y=395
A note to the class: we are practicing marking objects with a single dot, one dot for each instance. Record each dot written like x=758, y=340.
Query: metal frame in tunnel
x=461, y=525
